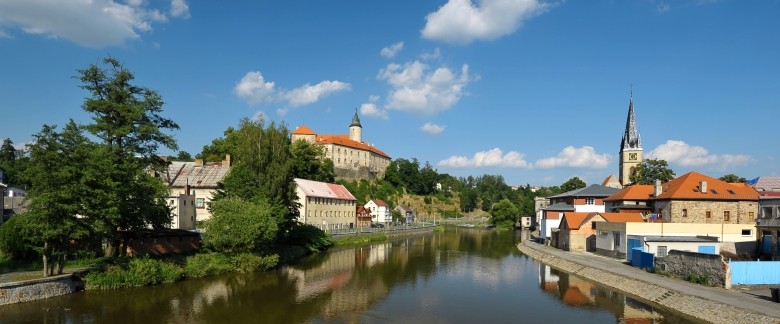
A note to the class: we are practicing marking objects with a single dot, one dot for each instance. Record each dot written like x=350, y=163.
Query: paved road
x=752, y=299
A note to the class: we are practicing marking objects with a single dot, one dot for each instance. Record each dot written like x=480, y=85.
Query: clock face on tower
x=632, y=156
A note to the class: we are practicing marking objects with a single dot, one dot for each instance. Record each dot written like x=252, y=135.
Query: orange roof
x=633, y=192
x=622, y=217
x=344, y=140
x=687, y=187
x=608, y=180
x=576, y=220
x=303, y=130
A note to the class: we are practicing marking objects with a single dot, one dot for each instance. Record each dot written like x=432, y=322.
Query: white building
x=380, y=211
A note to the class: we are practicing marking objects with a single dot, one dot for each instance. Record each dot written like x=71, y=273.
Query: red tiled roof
x=344, y=140
x=608, y=179
x=323, y=190
x=380, y=202
x=687, y=187
x=303, y=130
x=576, y=220
x=622, y=217
x=634, y=192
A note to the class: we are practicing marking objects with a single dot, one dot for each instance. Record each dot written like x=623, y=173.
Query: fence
x=755, y=272
x=642, y=260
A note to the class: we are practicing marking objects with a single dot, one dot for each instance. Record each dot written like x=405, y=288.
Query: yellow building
x=325, y=205
x=352, y=158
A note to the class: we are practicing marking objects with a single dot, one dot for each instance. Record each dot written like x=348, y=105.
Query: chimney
x=657, y=188
x=198, y=162
x=187, y=189
x=703, y=187
x=226, y=163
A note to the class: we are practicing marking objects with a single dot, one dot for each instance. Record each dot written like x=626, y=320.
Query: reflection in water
x=461, y=275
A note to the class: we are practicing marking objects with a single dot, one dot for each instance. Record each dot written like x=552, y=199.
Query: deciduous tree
x=573, y=184
x=650, y=170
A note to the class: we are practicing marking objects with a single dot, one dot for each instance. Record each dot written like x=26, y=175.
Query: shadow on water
x=460, y=275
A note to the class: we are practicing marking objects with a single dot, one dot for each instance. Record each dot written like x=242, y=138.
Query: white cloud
x=254, y=89
x=463, y=21
x=435, y=55
x=371, y=110
x=4, y=34
x=490, y=158
x=416, y=89
x=683, y=154
x=432, y=129
x=180, y=9
x=572, y=157
x=307, y=93
x=96, y=23
x=392, y=50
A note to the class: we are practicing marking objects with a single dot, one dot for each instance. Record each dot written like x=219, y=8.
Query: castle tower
x=356, y=130
x=630, y=146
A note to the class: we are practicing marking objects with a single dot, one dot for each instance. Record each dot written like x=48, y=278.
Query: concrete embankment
x=699, y=303
x=23, y=291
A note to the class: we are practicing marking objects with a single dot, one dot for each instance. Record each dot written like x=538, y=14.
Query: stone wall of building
x=684, y=264
x=23, y=291
x=695, y=211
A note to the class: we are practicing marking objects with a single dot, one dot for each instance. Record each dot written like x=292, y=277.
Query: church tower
x=356, y=130
x=630, y=146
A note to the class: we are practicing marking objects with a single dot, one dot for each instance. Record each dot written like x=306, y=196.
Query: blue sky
x=536, y=91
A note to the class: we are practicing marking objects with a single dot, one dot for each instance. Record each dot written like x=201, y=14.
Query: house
x=612, y=239
x=159, y=242
x=661, y=245
x=539, y=204
x=352, y=157
x=363, y=217
x=583, y=200
x=380, y=211
x=407, y=213
x=325, y=205
x=14, y=201
x=768, y=221
x=200, y=178
x=697, y=198
x=577, y=231
x=631, y=199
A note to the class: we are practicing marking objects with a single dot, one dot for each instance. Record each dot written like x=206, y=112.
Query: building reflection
x=577, y=292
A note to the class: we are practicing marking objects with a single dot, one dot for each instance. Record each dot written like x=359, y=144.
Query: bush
x=248, y=262
x=139, y=272
x=203, y=265
x=311, y=238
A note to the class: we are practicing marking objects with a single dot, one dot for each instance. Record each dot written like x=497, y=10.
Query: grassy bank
x=361, y=239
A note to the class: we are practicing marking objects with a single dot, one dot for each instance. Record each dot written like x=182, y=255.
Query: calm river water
x=461, y=275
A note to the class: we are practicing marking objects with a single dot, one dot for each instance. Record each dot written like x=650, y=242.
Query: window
x=617, y=239
x=726, y=216
x=661, y=251
x=685, y=212
x=747, y=232
x=751, y=216
x=708, y=214
x=200, y=203
x=590, y=201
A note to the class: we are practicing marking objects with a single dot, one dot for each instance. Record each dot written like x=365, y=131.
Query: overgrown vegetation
x=361, y=239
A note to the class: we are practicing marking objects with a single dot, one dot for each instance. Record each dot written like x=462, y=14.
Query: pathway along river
x=460, y=275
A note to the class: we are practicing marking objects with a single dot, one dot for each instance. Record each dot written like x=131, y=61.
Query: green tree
x=504, y=213
x=184, y=156
x=309, y=162
x=219, y=147
x=573, y=184
x=468, y=200
x=650, y=170
x=732, y=178
x=238, y=225
x=127, y=119
x=7, y=153
x=58, y=164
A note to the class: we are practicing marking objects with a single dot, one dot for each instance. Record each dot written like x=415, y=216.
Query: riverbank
x=700, y=303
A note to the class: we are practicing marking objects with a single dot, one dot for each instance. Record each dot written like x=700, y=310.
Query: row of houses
x=693, y=212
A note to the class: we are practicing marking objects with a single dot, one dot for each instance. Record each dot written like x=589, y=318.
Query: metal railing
x=387, y=228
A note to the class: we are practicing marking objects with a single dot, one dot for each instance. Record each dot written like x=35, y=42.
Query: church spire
x=356, y=120
x=631, y=139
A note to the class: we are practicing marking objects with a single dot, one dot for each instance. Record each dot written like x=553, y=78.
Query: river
x=460, y=275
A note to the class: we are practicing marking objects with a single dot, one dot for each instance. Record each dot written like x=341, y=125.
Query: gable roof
x=765, y=183
x=303, y=130
x=343, y=140
x=319, y=189
x=361, y=210
x=560, y=206
x=179, y=174
x=633, y=192
x=379, y=202
x=405, y=209
x=687, y=187
x=592, y=191
x=576, y=220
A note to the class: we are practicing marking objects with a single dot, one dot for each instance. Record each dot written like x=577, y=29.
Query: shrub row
x=145, y=271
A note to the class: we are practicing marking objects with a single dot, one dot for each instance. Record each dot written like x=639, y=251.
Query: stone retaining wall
x=23, y=291
x=709, y=267
x=696, y=308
